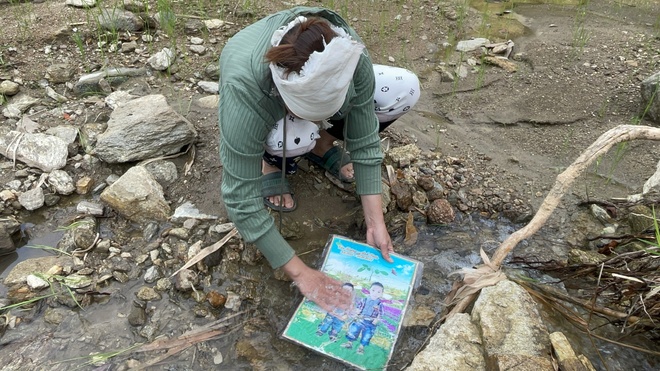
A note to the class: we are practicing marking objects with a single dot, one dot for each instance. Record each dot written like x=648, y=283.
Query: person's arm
x=363, y=142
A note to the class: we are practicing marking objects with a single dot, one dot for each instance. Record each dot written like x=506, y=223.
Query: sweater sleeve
x=243, y=131
x=362, y=139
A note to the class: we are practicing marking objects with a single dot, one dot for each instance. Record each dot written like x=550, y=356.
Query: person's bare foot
x=323, y=145
x=276, y=200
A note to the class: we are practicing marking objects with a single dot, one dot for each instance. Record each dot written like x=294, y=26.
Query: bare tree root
x=604, y=143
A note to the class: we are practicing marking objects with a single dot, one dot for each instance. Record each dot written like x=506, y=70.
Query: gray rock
x=197, y=49
x=117, y=98
x=209, y=86
x=90, y=83
x=18, y=275
x=43, y=151
x=18, y=105
x=186, y=280
x=164, y=172
x=510, y=325
x=84, y=233
x=653, y=183
x=52, y=94
x=212, y=71
x=81, y=3
x=222, y=228
x=148, y=294
x=137, y=316
x=89, y=208
x=470, y=45
x=36, y=283
x=32, y=199
x=143, y=128
x=162, y=60
x=137, y=196
x=209, y=102
x=188, y=211
x=651, y=97
x=118, y=20
x=6, y=243
x=67, y=133
x=128, y=47
x=163, y=284
x=9, y=88
x=62, y=182
x=77, y=281
x=455, y=346
x=59, y=73
x=151, y=275
x=55, y=316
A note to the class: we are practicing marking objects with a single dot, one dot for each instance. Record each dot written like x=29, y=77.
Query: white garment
x=397, y=91
x=319, y=90
x=301, y=137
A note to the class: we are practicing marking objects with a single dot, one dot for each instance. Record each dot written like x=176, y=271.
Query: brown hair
x=299, y=43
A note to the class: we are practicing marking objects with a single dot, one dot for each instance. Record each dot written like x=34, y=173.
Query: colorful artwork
x=363, y=336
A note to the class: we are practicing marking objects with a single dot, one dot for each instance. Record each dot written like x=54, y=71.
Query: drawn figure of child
x=368, y=311
x=334, y=320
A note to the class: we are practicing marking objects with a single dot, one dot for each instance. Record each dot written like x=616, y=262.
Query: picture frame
x=364, y=336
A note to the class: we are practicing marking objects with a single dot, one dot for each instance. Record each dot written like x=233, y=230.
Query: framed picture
x=364, y=335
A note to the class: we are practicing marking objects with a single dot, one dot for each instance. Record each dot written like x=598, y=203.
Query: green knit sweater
x=250, y=106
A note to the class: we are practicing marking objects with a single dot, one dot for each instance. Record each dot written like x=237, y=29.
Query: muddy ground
x=576, y=77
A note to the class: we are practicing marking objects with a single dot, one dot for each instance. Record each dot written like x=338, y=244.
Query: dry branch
x=604, y=143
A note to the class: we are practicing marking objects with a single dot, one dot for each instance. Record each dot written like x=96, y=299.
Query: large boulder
x=43, y=151
x=143, y=128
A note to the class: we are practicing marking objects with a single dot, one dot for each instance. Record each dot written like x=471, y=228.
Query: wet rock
x=188, y=211
x=18, y=106
x=405, y=155
x=118, y=20
x=440, y=212
x=151, y=275
x=59, y=73
x=84, y=233
x=420, y=200
x=216, y=299
x=143, y=128
x=651, y=96
x=164, y=172
x=137, y=196
x=148, y=294
x=455, y=346
x=163, y=284
x=32, y=199
x=46, y=152
x=162, y=60
x=233, y=301
x=426, y=182
x=77, y=281
x=55, y=316
x=121, y=277
x=137, y=316
x=61, y=182
x=36, y=283
x=419, y=316
x=89, y=208
x=148, y=331
x=186, y=280
x=9, y=88
x=585, y=257
x=84, y=185
x=6, y=242
x=511, y=327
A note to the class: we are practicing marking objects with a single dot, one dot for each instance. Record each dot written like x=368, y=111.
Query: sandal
x=332, y=161
x=272, y=185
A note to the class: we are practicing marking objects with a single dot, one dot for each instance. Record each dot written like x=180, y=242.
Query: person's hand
x=316, y=286
x=379, y=237
x=377, y=234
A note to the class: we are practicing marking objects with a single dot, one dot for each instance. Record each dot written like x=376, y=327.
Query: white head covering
x=319, y=90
